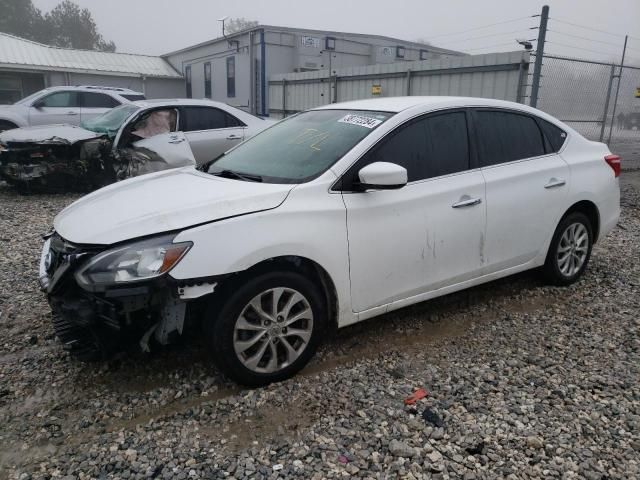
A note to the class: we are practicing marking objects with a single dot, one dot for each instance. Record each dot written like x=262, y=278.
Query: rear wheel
x=570, y=249
x=267, y=329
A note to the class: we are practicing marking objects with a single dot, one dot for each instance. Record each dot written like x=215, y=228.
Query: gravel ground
x=523, y=381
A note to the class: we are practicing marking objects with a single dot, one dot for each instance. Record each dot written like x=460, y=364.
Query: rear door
x=527, y=186
x=426, y=235
x=56, y=107
x=93, y=104
x=210, y=131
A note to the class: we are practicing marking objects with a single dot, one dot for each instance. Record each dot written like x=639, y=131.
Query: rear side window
x=506, y=137
x=98, y=100
x=429, y=147
x=554, y=135
x=133, y=98
x=206, y=118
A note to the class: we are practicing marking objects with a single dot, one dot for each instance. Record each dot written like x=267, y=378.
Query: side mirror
x=38, y=104
x=382, y=176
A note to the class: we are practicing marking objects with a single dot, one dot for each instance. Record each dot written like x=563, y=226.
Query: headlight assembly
x=132, y=263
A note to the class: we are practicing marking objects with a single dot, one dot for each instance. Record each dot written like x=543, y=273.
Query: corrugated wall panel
x=491, y=75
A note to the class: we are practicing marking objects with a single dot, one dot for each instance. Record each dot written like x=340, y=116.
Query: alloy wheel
x=573, y=249
x=273, y=330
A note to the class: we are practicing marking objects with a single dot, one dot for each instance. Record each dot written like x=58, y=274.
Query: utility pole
x=615, y=99
x=537, y=66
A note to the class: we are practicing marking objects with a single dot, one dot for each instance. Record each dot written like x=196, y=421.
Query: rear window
x=98, y=100
x=133, y=98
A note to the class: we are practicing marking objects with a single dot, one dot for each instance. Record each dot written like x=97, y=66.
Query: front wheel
x=268, y=329
x=570, y=249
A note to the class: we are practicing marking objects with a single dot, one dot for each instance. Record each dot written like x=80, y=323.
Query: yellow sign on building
x=376, y=89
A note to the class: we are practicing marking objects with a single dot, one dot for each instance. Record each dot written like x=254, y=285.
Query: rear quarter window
x=133, y=98
x=555, y=136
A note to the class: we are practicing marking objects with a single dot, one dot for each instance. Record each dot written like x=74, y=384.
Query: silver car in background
x=127, y=141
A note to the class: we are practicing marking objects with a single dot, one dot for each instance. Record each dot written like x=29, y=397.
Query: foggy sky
x=160, y=26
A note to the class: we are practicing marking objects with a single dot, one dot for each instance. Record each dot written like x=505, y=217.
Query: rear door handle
x=555, y=182
x=176, y=140
x=466, y=201
x=234, y=137
x=72, y=113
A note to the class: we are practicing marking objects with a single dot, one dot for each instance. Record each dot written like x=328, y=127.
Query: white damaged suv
x=327, y=218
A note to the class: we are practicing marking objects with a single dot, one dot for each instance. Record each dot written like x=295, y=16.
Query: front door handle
x=234, y=137
x=176, y=140
x=72, y=113
x=466, y=201
x=555, y=182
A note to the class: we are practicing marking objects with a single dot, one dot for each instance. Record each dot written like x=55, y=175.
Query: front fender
x=308, y=226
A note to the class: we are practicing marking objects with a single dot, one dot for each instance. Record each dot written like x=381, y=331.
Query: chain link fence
x=582, y=93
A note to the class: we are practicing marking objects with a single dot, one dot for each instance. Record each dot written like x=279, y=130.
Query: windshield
x=28, y=99
x=111, y=121
x=300, y=148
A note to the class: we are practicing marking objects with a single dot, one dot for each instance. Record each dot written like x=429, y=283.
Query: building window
x=207, y=80
x=400, y=52
x=187, y=77
x=330, y=43
x=231, y=77
x=424, y=54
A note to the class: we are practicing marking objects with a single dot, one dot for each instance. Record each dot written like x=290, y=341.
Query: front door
x=55, y=108
x=426, y=235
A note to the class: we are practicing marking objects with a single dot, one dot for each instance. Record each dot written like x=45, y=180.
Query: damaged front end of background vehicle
x=66, y=157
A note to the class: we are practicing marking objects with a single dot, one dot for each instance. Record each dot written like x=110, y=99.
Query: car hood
x=162, y=202
x=50, y=134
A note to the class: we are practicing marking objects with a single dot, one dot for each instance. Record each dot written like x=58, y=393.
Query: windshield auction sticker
x=360, y=120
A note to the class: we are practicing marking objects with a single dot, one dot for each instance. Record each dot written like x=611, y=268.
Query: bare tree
x=234, y=25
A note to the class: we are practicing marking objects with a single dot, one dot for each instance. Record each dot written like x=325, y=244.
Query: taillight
x=614, y=162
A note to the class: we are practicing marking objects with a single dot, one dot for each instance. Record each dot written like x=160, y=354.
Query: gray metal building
x=26, y=67
x=235, y=69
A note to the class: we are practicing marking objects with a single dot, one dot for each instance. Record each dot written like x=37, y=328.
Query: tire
x=560, y=269
x=4, y=125
x=246, y=355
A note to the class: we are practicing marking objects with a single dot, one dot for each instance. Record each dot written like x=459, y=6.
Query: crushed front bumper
x=92, y=325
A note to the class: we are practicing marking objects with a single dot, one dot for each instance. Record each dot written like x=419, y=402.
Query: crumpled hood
x=161, y=202
x=57, y=134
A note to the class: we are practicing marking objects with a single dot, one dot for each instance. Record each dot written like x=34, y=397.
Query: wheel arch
x=590, y=209
x=295, y=263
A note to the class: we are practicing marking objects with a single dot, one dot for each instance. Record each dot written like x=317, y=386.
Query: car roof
x=398, y=104
x=94, y=88
x=159, y=102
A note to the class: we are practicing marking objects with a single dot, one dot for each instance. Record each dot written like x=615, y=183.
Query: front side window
x=231, y=76
x=428, y=147
x=506, y=137
x=301, y=147
x=60, y=100
x=98, y=100
x=206, y=118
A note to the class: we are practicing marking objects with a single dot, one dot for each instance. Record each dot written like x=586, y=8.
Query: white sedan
x=328, y=218
x=129, y=140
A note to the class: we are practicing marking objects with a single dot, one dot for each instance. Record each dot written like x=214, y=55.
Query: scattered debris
x=343, y=459
x=278, y=466
x=415, y=396
x=432, y=417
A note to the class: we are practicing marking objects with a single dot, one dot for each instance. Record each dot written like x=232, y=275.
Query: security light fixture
x=400, y=52
x=525, y=43
x=424, y=54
